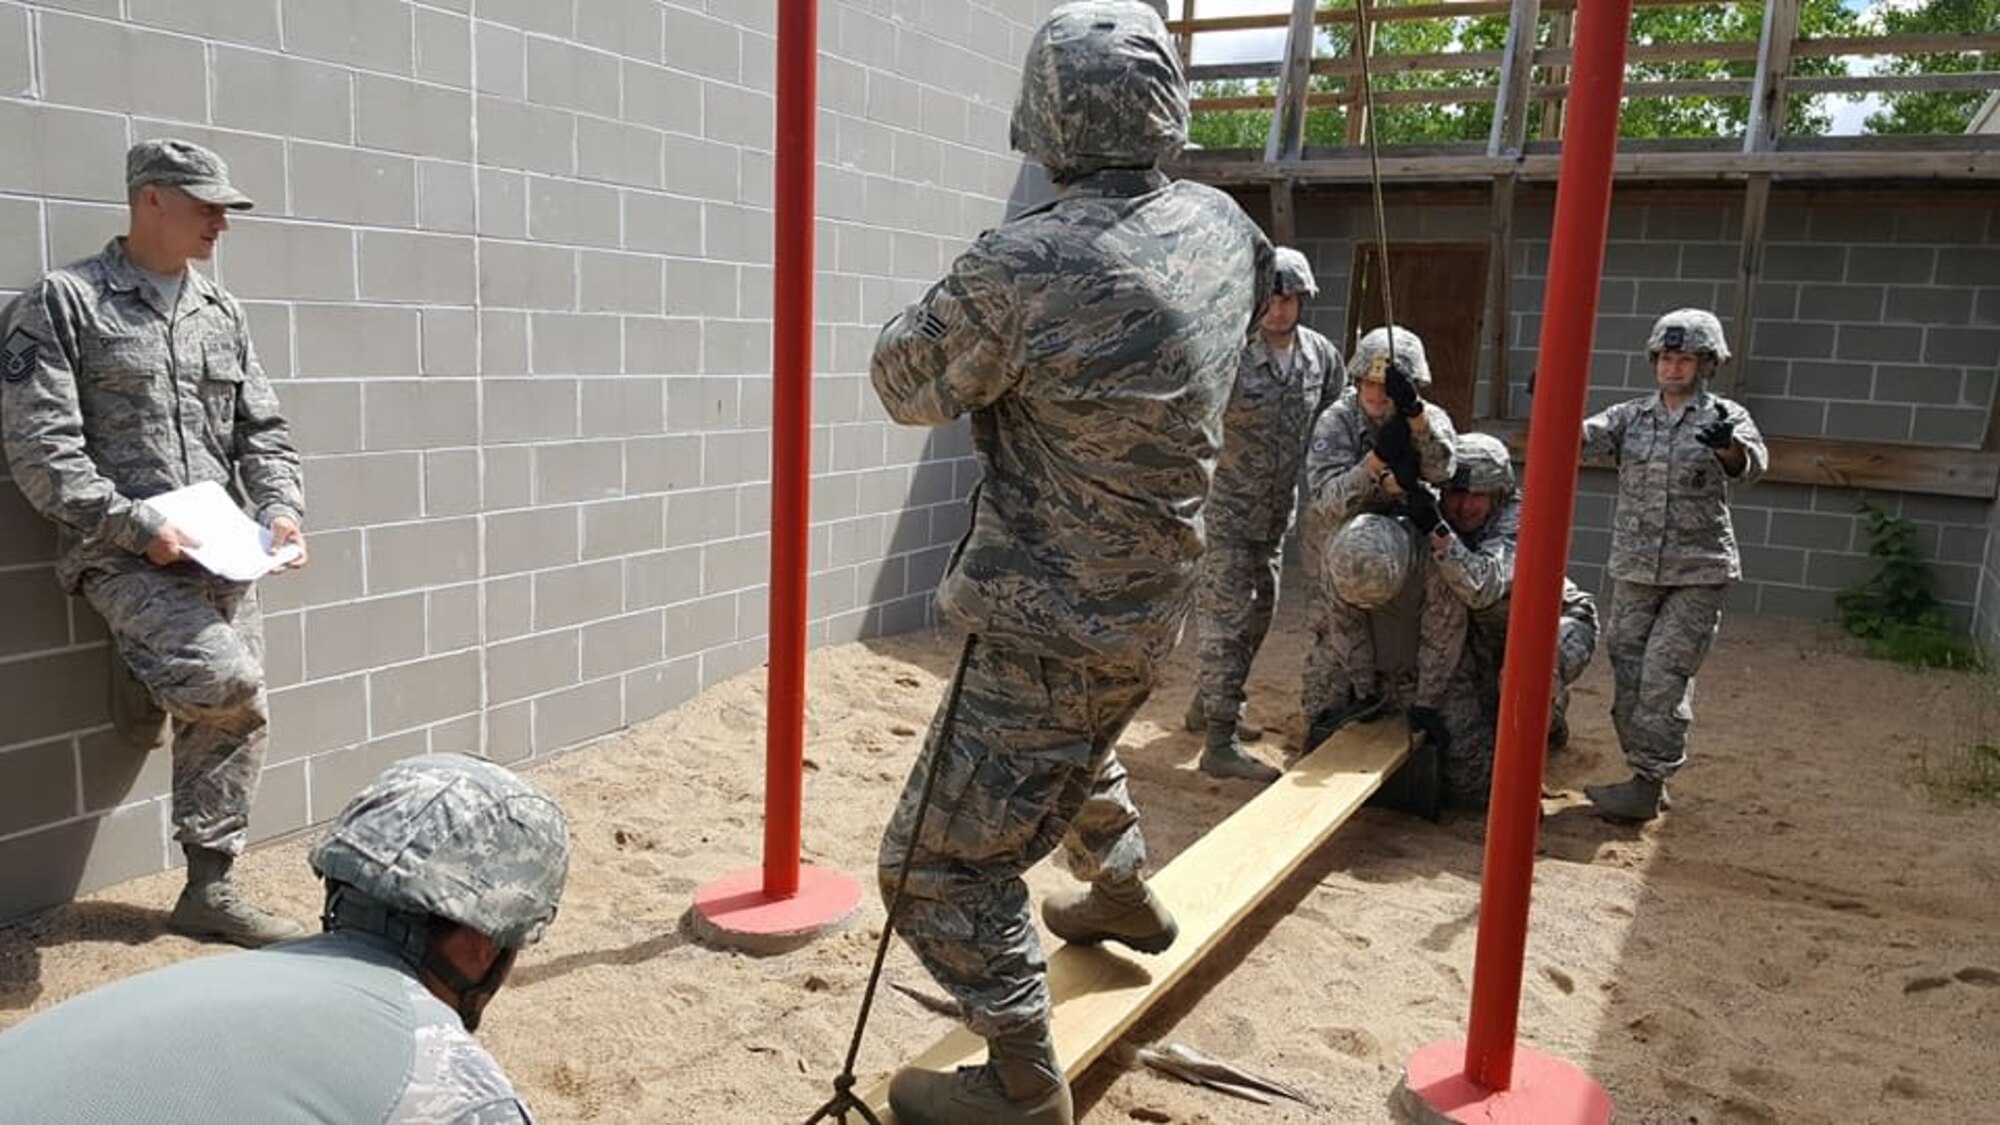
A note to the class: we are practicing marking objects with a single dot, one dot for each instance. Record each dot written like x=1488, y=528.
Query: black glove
x=1392, y=442
x=1717, y=434
x=1421, y=505
x=1402, y=391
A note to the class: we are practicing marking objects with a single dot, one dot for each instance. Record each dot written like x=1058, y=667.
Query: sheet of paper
x=232, y=544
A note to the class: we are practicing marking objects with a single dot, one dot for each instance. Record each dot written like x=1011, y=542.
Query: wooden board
x=1101, y=992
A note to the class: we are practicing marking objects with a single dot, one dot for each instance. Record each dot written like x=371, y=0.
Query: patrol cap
x=186, y=166
x=455, y=837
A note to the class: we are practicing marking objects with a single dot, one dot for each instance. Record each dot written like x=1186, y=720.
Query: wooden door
x=1440, y=290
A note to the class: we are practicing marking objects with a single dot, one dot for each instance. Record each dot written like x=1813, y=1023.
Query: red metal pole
x=791, y=441
x=1576, y=259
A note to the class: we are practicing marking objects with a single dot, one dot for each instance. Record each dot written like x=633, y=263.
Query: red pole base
x=1546, y=1090
x=733, y=912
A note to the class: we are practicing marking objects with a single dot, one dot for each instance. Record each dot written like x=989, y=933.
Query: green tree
x=1939, y=111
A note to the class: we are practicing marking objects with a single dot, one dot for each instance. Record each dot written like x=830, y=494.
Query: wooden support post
x=1499, y=268
x=1363, y=42
x=1284, y=216
x=1774, y=65
x=1767, y=122
x=1186, y=38
x=1750, y=267
x=1288, y=123
x=1560, y=25
x=1517, y=72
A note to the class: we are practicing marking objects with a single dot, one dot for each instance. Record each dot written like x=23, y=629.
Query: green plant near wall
x=1896, y=610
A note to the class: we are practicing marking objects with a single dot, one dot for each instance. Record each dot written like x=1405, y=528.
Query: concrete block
x=703, y=404
x=571, y=212
x=700, y=625
x=1789, y=416
x=364, y=34
x=628, y=283
x=333, y=778
x=623, y=407
x=623, y=527
x=1935, y=386
x=444, y=48
x=37, y=617
x=619, y=153
x=656, y=346
x=573, y=472
x=700, y=517
x=1828, y=379
x=650, y=692
x=446, y=200
x=701, y=45
x=1978, y=348
x=1881, y=343
x=1809, y=262
x=735, y=564
x=1924, y=305
x=21, y=239
x=17, y=56
x=531, y=15
x=662, y=578
x=1810, y=530
x=363, y=489
x=1831, y=570
x=1775, y=300
x=458, y=736
x=280, y=94
x=699, y=168
x=38, y=784
x=631, y=28
x=503, y=203
x=577, y=714
x=1853, y=224
x=737, y=347
x=325, y=416
x=526, y=275
x=1693, y=223
x=576, y=594
x=662, y=464
x=533, y=539
x=510, y=732
x=1938, y=222
x=623, y=644
x=661, y=98
x=451, y=482
x=1796, y=340
x=528, y=410
x=570, y=77
x=519, y=669
x=427, y=691
x=284, y=650
x=450, y=341
x=114, y=774
x=1868, y=422
x=112, y=66
x=503, y=59
x=510, y=606
x=407, y=556
x=1968, y=265
x=67, y=153
x=736, y=116
x=412, y=117
x=428, y=268
x=1943, y=425
x=335, y=575
x=1840, y=302
x=514, y=134
x=507, y=477
x=289, y=261
x=361, y=635
x=1712, y=261
x=357, y=340
x=572, y=344
x=353, y=186
x=700, y=288
x=663, y=224
x=503, y=343
x=451, y=619
x=1888, y=265
x=421, y=413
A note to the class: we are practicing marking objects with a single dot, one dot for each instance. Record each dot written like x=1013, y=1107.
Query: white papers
x=232, y=545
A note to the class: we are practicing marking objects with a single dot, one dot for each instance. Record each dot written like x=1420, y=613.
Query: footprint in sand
x=1923, y=984
x=1354, y=1042
x=1564, y=983
x=1984, y=978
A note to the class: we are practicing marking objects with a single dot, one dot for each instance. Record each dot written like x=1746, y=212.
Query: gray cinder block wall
x=511, y=272
x=1876, y=321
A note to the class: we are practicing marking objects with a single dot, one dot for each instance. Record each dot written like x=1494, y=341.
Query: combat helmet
x=1293, y=275
x=1371, y=357
x=1689, y=330
x=1369, y=560
x=453, y=837
x=1482, y=465
x=1102, y=87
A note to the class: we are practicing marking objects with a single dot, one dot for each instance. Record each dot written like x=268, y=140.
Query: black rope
x=1364, y=44
x=843, y=1100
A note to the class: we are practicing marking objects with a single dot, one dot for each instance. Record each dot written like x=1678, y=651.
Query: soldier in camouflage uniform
x=125, y=376
x=1349, y=472
x=1281, y=386
x=1472, y=563
x=437, y=874
x=1679, y=452
x=1092, y=343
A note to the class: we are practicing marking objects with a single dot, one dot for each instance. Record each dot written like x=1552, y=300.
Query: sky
x=1249, y=46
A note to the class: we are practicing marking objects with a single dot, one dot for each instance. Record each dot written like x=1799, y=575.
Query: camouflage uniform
x=108, y=398
x=335, y=1027
x=1092, y=342
x=1673, y=550
x=1250, y=506
x=1340, y=653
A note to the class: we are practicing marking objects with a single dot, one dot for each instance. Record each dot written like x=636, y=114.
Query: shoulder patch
x=18, y=355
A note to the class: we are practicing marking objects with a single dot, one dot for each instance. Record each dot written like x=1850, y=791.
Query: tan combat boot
x=1019, y=1084
x=211, y=907
x=1121, y=910
x=1196, y=721
x=1225, y=757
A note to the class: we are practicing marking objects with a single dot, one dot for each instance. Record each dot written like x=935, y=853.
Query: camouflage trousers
x=1471, y=705
x=1658, y=636
x=1348, y=647
x=1236, y=593
x=1029, y=765
x=1318, y=690
x=197, y=642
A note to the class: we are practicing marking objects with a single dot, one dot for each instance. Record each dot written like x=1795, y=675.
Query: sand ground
x=1808, y=936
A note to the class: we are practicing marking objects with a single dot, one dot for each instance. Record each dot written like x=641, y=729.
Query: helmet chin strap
x=472, y=994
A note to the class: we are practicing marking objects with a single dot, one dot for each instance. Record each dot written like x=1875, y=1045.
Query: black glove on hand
x=1422, y=508
x=1718, y=434
x=1392, y=442
x=1402, y=391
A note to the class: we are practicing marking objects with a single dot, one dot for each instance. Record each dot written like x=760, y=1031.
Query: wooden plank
x=1749, y=269
x=1099, y=993
x=1774, y=64
x=1284, y=214
x=1499, y=275
x=1976, y=80
x=1517, y=73
x=1940, y=43
x=1359, y=98
x=1971, y=163
x=1562, y=27
x=1288, y=124
x=1923, y=469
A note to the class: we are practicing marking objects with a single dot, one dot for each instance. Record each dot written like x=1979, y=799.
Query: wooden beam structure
x=1288, y=124
x=1099, y=993
x=1977, y=159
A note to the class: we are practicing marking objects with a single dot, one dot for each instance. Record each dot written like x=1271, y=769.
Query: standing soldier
x=1673, y=550
x=1281, y=387
x=1379, y=423
x=125, y=376
x=1092, y=342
